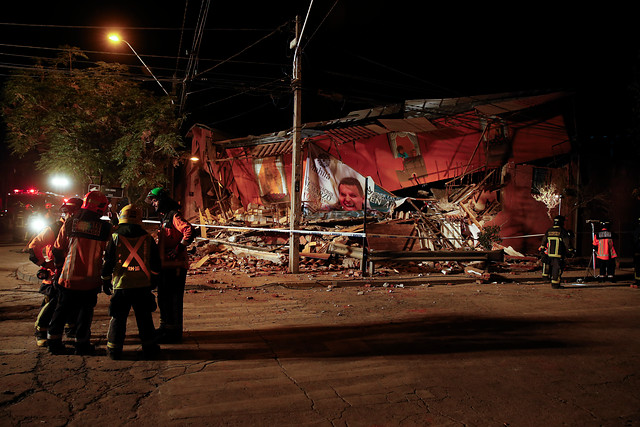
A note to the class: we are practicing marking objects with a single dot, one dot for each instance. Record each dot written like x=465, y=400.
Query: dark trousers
x=47, y=308
x=636, y=266
x=170, y=300
x=607, y=267
x=143, y=303
x=546, y=266
x=72, y=303
x=556, y=265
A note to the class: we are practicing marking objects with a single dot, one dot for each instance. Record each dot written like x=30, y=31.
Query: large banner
x=330, y=185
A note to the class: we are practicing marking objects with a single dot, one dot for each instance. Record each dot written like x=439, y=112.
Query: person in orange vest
x=605, y=253
x=41, y=254
x=130, y=272
x=174, y=235
x=78, y=253
x=556, y=246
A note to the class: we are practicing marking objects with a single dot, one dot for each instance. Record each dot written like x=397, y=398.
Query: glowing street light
x=117, y=39
x=60, y=182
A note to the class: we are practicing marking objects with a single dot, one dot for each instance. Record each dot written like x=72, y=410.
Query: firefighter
x=174, y=235
x=41, y=254
x=556, y=245
x=131, y=271
x=605, y=253
x=78, y=253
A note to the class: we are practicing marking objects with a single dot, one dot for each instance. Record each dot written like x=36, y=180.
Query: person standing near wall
x=174, y=235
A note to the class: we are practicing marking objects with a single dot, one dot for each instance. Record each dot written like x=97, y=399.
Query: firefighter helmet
x=157, y=193
x=96, y=202
x=558, y=220
x=130, y=214
x=71, y=205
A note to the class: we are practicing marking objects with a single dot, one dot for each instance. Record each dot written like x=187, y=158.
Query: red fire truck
x=28, y=211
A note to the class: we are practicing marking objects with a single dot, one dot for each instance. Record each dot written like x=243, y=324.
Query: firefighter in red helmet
x=41, y=254
x=556, y=245
x=78, y=253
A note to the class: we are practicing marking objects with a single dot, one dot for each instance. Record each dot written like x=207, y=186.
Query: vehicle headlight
x=37, y=224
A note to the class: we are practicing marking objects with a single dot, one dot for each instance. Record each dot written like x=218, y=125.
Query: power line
x=96, y=27
x=58, y=49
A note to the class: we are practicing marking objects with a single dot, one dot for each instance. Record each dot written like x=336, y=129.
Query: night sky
x=356, y=54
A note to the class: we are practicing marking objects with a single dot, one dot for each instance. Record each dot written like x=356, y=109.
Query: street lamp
x=117, y=39
x=60, y=182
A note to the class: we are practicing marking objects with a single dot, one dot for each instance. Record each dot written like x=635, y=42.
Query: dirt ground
x=315, y=349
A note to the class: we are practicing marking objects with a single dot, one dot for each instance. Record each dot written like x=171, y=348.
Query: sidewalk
x=574, y=276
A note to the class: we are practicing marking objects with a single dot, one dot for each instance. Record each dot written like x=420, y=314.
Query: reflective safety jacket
x=131, y=259
x=42, y=247
x=556, y=242
x=78, y=250
x=174, y=229
x=603, y=243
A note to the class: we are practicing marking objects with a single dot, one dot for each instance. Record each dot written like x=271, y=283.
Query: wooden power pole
x=296, y=159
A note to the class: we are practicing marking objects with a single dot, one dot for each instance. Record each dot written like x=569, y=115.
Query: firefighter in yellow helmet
x=130, y=271
x=556, y=244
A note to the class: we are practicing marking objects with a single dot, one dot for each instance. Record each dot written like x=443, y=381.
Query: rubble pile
x=254, y=240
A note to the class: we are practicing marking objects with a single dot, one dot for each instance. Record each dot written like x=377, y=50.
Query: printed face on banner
x=350, y=194
x=331, y=185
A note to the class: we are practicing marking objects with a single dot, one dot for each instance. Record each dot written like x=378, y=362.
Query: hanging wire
x=321, y=22
x=184, y=19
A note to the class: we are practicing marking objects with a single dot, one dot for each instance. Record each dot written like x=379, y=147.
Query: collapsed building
x=471, y=176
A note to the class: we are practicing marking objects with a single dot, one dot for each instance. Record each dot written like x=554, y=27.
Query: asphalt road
x=447, y=353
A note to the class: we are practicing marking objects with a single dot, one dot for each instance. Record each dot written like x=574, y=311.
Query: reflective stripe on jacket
x=132, y=267
x=78, y=251
x=604, y=242
x=556, y=242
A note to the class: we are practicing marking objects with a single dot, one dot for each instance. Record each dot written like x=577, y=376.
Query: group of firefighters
x=556, y=246
x=81, y=254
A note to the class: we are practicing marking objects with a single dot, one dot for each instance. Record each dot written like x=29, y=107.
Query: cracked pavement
x=275, y=353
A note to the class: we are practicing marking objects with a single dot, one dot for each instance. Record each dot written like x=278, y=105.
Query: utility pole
x=296, y=157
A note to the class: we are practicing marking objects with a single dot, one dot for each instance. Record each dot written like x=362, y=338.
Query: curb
x=23, y=273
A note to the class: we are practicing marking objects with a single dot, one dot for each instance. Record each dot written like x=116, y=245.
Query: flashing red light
x=30, y=191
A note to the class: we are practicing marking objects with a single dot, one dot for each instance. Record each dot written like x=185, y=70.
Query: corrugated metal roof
x=412, y=116
x=501, y=107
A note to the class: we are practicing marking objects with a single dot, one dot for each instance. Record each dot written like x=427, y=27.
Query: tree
x=91, y=122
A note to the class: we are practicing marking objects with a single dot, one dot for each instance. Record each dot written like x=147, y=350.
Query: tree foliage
x=91, y=122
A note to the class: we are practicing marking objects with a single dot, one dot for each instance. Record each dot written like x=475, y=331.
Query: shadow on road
x=423, y=336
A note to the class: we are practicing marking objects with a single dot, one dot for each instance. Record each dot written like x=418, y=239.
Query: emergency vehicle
x=28, y=211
